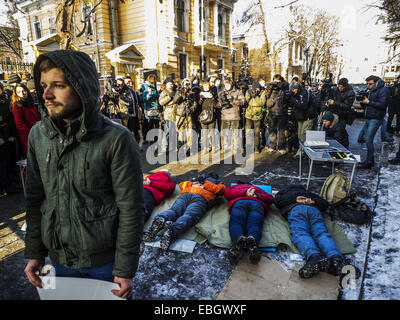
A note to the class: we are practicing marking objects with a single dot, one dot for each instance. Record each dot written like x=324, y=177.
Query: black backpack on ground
x=351, y=210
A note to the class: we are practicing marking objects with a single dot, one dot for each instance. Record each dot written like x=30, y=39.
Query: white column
x=196, y=9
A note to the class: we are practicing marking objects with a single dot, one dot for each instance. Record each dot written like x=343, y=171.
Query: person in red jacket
x=25, y=114
x=248, y=206
x=156, y=187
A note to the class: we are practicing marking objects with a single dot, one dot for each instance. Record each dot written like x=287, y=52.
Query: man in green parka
x=84, y=190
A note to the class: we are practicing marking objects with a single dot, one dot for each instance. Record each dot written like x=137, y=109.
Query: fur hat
x=14, y=78
x=168, y=80
x=30, y=85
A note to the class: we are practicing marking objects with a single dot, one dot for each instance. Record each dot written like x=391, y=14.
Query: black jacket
x=299, y=104
x=285, y=199
x=315, y=104
x=394, y=101
x=343, y=101
x=378, y=101
x=337, y=131
x=7, y=125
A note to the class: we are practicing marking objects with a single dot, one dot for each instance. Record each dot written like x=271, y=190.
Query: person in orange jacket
x=196, y=197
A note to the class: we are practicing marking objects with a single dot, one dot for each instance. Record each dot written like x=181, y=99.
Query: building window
x=374, y=69
x=180, y=15
x=234, y=57
x=8, y=60
x=52, y=25
x=38, y=29
x=392, y=68
x=220, y=64
x=220, y=25
x=182, y=65
x=245, y=52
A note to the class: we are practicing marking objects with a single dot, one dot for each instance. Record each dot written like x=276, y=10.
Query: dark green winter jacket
x=84, y=192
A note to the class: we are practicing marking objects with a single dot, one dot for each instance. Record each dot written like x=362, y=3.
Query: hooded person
x=207, y=117
x=230, y=102
x=166, y=101
x=197, y=196
x=84, y=191
x=151, y=108
x=157, y=187
x=256, y=99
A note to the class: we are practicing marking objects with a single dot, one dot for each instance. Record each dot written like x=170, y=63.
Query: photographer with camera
x=341, y=99
x=375, y=110
x=256, y=99
x=277, y=114
x=230, y=100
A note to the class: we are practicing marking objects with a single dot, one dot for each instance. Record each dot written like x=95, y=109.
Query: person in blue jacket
x=375, y=110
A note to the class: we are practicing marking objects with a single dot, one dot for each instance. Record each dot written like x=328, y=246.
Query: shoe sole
x=311, y=271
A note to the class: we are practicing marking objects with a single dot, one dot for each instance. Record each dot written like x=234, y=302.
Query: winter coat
x=337, y=131
x=209, y=192
x=238, y=192
x=208, y=105
x=299, y=105
x=314, y=105
x=25, y=118
x=128, y=102
x=255, y=106
x=161, y=186
x=276, y=104
x=166, y=101
x=7, y=125
x=84, y=190
x=230, y=107
x=186, y=104
x=150, y=97
x=285, y=199
x=343, y=101
x=378, y=101
x=394, y=102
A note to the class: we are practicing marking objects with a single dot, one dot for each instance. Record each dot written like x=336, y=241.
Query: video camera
x=361, y=95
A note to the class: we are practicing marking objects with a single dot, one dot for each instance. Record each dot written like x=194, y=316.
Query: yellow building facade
x=165, y=37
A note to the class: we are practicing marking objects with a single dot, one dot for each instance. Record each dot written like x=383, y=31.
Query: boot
x=234, y=252
x=313, y=266
x=254, y=253
x=157, y=225
x=167, y=237
x=336, y=264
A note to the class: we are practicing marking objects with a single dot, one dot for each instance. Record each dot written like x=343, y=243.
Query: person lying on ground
x=196, y=198
x=248, y=206
x=308, y=230
x=156, y=187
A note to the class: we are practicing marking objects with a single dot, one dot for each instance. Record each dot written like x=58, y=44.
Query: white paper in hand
x=64, y=288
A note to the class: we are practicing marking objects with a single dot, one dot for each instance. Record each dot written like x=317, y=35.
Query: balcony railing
x=7, y=66
x=211, y=38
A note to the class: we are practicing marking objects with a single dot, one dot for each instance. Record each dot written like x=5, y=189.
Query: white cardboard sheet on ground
x=78, y=289
x=181, y=245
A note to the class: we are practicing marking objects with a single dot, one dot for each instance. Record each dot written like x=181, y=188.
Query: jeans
x=186, y=211
x=230, y=127
x=247, y=219
x=149, y=203
x=256, y=124
x=103, y=272
x=277, y=126
x=309, y=233
x=170, y=132
x=368, y=133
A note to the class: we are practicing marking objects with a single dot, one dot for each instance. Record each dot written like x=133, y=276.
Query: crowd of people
x=275, y=116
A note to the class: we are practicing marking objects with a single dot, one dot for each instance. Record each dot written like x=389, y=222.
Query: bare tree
x=9, y=34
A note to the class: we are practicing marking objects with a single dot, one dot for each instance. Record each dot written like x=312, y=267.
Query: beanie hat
x=167, y=171
x=314, y=84
x=344, y=82
x=256, y=85
x=328, y=116
x=119, y=78
x=30, y=85
x=294, y=85
x=14, y=78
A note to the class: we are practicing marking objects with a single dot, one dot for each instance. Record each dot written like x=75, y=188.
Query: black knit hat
x=344, y=82
x=168, y=80
x=14, y=78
